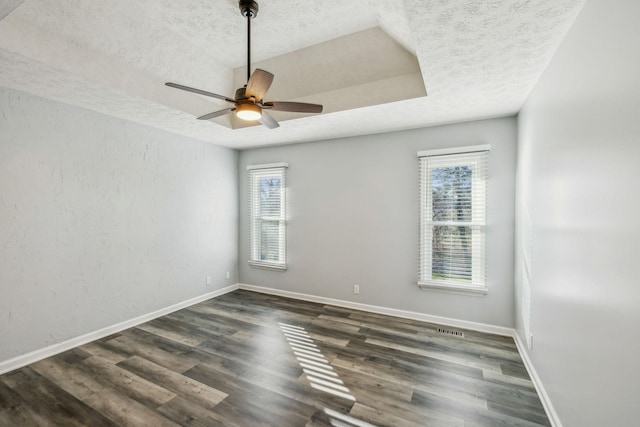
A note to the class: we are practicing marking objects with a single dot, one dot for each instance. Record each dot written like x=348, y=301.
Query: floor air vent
x=450, y=332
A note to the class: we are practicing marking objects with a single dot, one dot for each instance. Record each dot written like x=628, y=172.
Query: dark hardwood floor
x=249, y=359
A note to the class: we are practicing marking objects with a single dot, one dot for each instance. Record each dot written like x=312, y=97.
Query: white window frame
x=428, y=160
x=255, y=172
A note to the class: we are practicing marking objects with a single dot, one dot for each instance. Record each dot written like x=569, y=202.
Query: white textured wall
x=579, y=177
x=102, y=220
x=353, y=219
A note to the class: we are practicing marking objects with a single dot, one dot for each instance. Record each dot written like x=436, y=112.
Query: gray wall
x=578, y=176
x=353, y=219
x=102, y=220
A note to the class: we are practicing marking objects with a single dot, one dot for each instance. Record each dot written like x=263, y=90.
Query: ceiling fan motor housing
x=240, y=93
x=248, y=8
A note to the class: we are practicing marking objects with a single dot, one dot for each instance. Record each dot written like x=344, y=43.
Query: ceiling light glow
x=249, y=112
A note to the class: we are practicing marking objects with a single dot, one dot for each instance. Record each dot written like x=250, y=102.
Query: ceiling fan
x=249, y=101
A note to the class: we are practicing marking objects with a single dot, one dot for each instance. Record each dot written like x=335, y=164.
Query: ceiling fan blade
x=199, y=91
x=294, y=107
x=258, y=84
x=268, y=121
x=216, y=114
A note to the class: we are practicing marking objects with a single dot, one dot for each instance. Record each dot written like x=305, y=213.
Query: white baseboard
x=464, y=324
x=544, y=397
x=34, y=356
x=26, y=359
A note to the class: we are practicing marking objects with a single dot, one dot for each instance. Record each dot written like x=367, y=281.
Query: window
x=453, y=193
x=267, y=213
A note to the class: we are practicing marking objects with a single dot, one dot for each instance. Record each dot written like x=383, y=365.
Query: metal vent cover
x=450, y=332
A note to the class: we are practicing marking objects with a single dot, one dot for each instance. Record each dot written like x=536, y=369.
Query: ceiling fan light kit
x=248, y=111
x=248, y=102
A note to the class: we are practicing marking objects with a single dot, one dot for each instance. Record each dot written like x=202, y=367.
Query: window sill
x=456, y=289
x=268, y=266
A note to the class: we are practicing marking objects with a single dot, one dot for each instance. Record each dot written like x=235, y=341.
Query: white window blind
x=453, y=218
x=267, y=214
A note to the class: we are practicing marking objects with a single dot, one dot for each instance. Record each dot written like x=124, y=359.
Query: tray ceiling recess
x=354, y=71
x=370, y=63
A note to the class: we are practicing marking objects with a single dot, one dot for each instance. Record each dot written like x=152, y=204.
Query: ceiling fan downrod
x=249, y=9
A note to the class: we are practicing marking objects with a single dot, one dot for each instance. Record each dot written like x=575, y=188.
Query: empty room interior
x=287, y=213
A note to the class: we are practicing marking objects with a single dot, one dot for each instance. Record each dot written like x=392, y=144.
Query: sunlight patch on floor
x=315, y=366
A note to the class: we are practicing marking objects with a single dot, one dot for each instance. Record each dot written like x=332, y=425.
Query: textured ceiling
x=477, y=58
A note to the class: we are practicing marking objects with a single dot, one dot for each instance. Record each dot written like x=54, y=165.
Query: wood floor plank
x=136, y=346
x=440, y=354
x=138, y=388
x=381, y=417
x=127, y=412
x=251, y=403
x=360, y=351
x=446, y=344
x=518, y=371
x=84, y=386
x=265, y=360
x=13, y=410
x=483, y=416
x=415, y=413
x=187, y=412
x=535, y=415
x=194, y=391
x=509, y=381
x=50, y=402
x=70, y=378
x=176, y=335
x=434, y=379
x=321, y=419
x=74, y=356
x=210, y=326
x=251, y=359
x=97, y=348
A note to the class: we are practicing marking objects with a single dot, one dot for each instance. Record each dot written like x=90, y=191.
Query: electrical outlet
x=356, y=289
x=208, y=280
x=530, y=341
x=228, y=275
